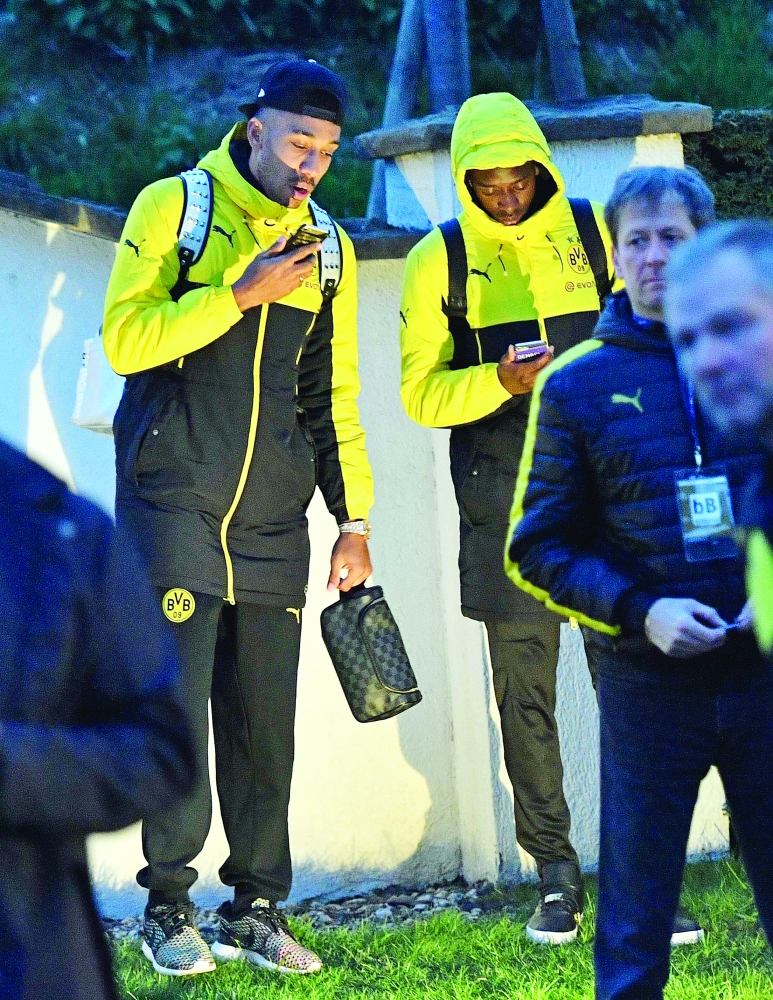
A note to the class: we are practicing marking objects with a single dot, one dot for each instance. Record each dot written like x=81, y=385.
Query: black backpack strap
x=588, y=228
x=456, y=304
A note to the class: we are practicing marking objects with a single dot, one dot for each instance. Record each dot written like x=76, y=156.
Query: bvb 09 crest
x=578, y=259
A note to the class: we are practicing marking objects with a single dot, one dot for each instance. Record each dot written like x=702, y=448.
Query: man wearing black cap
x=241, y=383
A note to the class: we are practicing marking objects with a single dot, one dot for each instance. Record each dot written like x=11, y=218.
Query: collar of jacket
x=617, y=326
x=498, y=130
x=249, y=199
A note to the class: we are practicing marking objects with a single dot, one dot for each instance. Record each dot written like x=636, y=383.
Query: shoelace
x=274, y=918
x=173, y=919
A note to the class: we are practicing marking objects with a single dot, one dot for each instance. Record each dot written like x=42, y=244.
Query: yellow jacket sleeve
x=355, y=468
x=328, y=386
x=433, y=394
x=143, y=327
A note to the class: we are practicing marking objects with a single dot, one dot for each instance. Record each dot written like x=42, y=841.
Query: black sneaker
x=686, y=930
x=261, y=935
x=172, y=942
x=556, y=918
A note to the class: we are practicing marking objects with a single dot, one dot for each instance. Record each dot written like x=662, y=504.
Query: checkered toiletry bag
x=367, y=651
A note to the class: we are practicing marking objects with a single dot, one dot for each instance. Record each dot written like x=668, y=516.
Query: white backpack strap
x=196, y=219
x=330, y=256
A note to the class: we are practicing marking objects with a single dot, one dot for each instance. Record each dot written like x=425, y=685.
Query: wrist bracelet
x=358, y=527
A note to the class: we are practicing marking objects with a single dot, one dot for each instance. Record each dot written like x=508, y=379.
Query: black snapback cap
x=302, y=87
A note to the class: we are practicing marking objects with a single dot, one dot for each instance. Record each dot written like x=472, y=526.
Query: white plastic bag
x=99, y=389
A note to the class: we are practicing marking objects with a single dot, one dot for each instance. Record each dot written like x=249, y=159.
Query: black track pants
x=246, y=658
x=524, y=658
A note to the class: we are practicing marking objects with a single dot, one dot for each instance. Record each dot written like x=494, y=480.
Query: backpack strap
x=330, y=256
x=196, y=220
x=455, y=307
x=588, y=228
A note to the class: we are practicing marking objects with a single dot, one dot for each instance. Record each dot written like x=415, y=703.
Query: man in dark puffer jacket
x=603, y=528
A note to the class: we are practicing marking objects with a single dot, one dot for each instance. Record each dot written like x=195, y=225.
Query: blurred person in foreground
x=622, y=517
x=93, y=734
x=720, y=313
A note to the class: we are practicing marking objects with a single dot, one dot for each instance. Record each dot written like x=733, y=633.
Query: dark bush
x=735, y=158
x=510, y=26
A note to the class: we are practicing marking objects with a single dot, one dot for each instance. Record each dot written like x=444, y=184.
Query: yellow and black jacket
x=524, y=282
x=229, y=421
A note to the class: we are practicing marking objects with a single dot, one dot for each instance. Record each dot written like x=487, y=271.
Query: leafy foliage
x=730, y=37
x=510, y=26
x=736, y=162
x=129, y=25
x=134, y=145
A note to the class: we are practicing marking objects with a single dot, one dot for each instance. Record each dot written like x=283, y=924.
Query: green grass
x=447, y=957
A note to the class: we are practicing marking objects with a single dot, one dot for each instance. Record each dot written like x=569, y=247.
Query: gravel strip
x=395, y=906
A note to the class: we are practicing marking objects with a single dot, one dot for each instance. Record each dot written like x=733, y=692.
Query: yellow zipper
x=229, y=567
x=303, y=342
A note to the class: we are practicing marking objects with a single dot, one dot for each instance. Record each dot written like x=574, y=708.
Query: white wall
x=418, y=798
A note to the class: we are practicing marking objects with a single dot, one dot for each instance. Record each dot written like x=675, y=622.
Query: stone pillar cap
x=615, y=117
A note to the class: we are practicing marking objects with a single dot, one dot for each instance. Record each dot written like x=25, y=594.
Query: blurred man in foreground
x=93, y=735
x=720, y=312
x=623, y=517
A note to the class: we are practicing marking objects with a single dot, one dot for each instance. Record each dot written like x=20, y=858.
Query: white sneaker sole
x=687, y=937
x=551, y=937
x=229, y=953
x=203, y=965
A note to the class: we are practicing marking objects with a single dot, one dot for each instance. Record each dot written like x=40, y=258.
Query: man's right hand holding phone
x=518, y=377
x=273, y=274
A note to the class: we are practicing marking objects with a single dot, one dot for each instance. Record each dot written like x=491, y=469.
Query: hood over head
x=497, y=130
x=243, y=192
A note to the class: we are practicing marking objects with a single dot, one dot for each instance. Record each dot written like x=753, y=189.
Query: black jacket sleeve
x=555, y=550
x=123, y=750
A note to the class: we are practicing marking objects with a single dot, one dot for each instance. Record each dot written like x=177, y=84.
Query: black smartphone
x=304, y=236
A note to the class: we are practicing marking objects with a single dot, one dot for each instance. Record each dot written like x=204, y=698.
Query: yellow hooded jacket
x=228, y=421
x=524, y=282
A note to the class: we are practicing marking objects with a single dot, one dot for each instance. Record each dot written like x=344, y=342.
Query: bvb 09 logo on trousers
x=178, y=605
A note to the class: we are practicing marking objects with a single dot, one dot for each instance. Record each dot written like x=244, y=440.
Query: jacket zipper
x=251, y=435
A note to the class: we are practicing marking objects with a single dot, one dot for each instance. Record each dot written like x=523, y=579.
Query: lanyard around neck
x=688, y=398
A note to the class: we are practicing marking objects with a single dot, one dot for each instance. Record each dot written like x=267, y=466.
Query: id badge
x=706, y=513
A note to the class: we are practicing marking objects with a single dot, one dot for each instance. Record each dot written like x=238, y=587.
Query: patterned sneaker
x=261, y=935
x=171, y=941
x=559, y=913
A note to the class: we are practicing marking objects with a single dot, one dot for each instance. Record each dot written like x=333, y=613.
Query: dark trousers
x=246, y=658
x=660, y=733
x=524, y=658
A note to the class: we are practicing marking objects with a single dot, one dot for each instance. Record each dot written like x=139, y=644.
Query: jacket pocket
x=156, y=440
x=486, y=495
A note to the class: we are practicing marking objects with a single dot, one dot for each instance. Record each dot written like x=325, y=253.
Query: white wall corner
x=406, y=208
x=467, y=666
